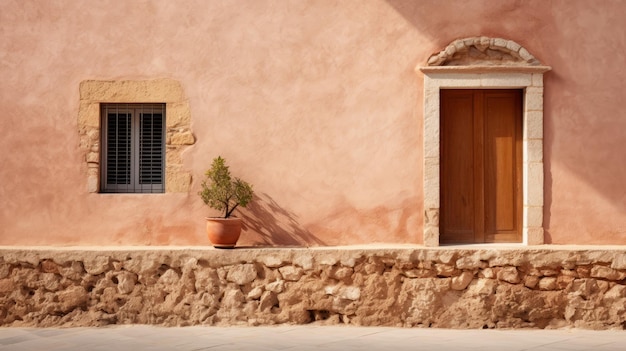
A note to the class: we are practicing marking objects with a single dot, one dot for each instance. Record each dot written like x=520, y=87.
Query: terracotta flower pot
x=223, y=232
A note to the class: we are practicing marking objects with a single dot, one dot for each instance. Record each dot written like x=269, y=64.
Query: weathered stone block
x=350, y=293
x=431, y=187
x=587, y=287
x=173, y=156
x=178, y=114
x=531, y=281
x=615, y=293
x=434, y=60
x=341, y=273
x=509, y=274
x=499, y=43
x=513, y=46
x=598, y=257
x=97, y=265
x=4, y=270
x=182, y=138
x=92, y=157
x=459, y=45
x=507, y=258
x=268, y=300
x=444, y=270
x=49, y=266
x=533, y=125
x=348, y=261
x=89, y=115
x=450, y=50
x=488, y=273
x=533, y=195
x=373, y=268
x=470, y=262
x=271, y=261
x=548, y=283
x=6, y=286
x=291, y=273
x=126, y=282
x=92, y=184
x=482, y=287
x=418, y=273
x=533, y=152
x=51, y=281
x=233, y=299
x=169, y=280
x=524, y=54
x=489, y=80
x=569, y=273
x=304, y=260
x=583, y=271
x=462, y=281
x=242, y=274
x=534, y=102
x=619, y=262
x=607, y=273
x=446, y=257
x=177, y=181
x=564, y=281
x=277, y=286
x=344, y=292
x=549, y=272
x=73, y=297
x=255, y=293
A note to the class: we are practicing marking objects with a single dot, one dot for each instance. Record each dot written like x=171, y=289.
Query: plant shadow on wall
x=274, y=225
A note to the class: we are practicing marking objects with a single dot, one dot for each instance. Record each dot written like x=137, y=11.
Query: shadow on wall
x=272, y=225
x=460, y=19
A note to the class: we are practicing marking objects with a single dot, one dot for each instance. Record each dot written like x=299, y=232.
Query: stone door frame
x=522, y=71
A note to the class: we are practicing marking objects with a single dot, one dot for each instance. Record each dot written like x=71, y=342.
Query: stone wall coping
x=483, y=69
x=347, y=248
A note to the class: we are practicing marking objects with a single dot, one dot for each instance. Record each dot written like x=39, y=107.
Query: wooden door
x=481, y=166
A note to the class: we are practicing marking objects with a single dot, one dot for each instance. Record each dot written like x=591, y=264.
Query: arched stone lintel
x=483, y=51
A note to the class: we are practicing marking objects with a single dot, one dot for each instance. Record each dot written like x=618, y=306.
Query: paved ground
x=140, y=337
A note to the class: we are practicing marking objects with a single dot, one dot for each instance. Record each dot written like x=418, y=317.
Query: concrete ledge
x=385, y=285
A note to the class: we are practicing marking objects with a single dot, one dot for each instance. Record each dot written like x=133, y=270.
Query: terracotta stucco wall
x=314, y=102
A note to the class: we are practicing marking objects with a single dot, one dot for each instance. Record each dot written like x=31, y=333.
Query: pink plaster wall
x=314, y=102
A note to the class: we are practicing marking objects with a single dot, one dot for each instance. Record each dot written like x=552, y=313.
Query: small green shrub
x=223, y=192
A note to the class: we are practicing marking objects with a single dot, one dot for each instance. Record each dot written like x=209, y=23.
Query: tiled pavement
x=141, y=337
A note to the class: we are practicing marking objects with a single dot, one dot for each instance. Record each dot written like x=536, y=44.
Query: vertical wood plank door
x=481, y=166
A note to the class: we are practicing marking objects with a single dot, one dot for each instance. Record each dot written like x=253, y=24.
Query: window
x=133, y=148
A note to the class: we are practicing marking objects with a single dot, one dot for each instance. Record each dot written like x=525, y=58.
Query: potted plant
x=224, y=193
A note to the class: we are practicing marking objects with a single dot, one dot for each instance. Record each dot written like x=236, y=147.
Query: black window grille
x=133, y=157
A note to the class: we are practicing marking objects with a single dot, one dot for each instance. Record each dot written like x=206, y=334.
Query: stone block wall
x=407, y=287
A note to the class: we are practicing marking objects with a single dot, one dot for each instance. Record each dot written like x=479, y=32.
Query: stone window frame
x=178, y=135
x=519, y=70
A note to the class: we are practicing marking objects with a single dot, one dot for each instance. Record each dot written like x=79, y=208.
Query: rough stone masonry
x=407, y=287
